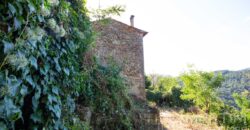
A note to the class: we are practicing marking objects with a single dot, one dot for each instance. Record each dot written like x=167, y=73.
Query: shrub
x=171, y=99
x=231, y=118
x=165, y=91
x=105, y=92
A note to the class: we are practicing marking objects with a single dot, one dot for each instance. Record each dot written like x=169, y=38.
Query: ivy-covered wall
x=41, y=42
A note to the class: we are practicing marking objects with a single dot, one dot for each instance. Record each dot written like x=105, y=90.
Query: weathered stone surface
x=146, y=117
x=84, y=113
x=124, y=45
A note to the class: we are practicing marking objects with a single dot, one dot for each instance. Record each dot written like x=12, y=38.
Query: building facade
x=123, y=44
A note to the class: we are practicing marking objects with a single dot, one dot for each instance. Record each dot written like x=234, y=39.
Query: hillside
x=234, y=82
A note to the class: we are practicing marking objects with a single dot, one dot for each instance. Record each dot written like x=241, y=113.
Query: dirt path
x=173, y=120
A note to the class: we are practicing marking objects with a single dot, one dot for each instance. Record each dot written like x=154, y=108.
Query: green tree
x=166, y=84
x=236, y=118
x=166, y=91
x=200, y=87
x=243, y=101
x=160, y=87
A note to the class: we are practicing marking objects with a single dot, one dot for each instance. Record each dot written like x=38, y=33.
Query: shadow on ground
x=146, y=117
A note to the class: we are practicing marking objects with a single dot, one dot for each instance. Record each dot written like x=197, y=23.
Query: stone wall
x=123, y=44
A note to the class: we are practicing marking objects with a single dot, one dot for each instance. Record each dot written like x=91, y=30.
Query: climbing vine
x=41, y=44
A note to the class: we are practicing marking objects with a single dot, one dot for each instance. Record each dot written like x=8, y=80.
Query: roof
x=130, y=27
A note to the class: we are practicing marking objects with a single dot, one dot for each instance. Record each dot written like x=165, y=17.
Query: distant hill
x=235, y=82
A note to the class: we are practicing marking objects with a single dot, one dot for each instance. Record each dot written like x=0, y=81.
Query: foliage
x=243, y=102
x=41, y=42
x=101, y=14
x=167, y=83
x=160, y=86
x=176, y=101
x=105, y=91
x=232, y=118
x=165, y=91
x=148, y=82
x=199, y=87
x=163, y=83
x=235, y=82
x=235, y=113
x=76, y=124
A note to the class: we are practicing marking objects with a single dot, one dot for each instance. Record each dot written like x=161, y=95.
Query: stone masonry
x=124, y=45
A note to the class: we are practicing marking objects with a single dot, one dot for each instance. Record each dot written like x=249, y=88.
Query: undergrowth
x=105, y=92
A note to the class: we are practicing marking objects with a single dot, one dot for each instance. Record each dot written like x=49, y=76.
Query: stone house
x=123, y=44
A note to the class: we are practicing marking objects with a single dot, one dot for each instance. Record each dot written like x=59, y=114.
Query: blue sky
x=211, y=34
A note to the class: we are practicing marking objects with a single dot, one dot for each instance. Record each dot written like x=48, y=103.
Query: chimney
x=132, y=20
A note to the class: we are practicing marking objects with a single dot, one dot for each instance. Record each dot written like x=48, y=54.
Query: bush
x=232, y=119
x=171, y=99
x=105, y=91
x=165, y=91
x=237, y=118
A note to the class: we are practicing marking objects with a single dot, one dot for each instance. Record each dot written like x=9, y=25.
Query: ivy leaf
x=43, y=50
x=14, y=84
x=25, y=72
x=55, y=90
x=17, y=23
x=57, y=111
x=33, y=61
x=58, y=68
x=33, y=42
x=50, y=98
x=13, y=113
x=12, y=8
x=16, y=114
x=35, y=98
x=64, y=51
x=71, y=46
x=40, y=18
x=20, y=8
x=24, y=90
x=31, y=7
x=35, y=103
x=66, y=71
x=30, y=81
x=7, y=47
x=37, y=117
x=70, y=102
x=9, y=28
x=45, y=69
